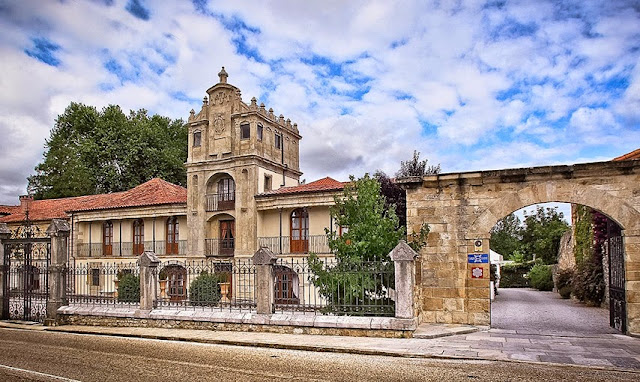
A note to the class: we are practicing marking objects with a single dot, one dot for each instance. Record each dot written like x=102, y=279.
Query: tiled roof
x=635, y=154
x=154, y=192
x=321, y=185
x=8, y=210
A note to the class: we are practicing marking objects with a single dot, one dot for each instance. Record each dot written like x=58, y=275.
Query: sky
x=471, y=85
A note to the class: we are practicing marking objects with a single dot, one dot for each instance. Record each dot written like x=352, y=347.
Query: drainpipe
x=90, y=238
x=280, y=240
x=154, y=235
x=120, y=238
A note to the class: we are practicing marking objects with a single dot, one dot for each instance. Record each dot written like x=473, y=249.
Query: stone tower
x=235, y=152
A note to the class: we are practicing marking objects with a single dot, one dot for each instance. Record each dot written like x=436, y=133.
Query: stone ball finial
x=223, y=76
x=205, y=100
x=254, y=101
x=192, y=112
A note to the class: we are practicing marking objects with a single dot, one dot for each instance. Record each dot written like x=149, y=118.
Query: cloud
x=471, y=85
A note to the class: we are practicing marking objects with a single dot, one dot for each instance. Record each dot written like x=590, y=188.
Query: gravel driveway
x=529, y=310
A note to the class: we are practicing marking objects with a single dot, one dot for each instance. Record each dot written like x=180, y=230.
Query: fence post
x=148, y=279
x=264, y=260
x=403, y=258
x=5, y=233
x=58, y=231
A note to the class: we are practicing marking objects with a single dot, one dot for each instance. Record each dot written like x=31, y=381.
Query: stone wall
x=462, y=208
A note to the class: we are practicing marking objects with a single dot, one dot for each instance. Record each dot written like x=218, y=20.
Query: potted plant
x=162, y=276
x=224, y=287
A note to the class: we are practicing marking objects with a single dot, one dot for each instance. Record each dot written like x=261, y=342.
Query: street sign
x=477, y=272
x=478, y=258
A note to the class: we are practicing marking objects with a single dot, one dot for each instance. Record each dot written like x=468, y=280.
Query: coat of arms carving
x=218, y=123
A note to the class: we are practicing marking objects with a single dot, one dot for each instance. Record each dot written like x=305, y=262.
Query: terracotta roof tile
x=321, y=185
x=8, y=210
x=635, y=154
x=154, y=192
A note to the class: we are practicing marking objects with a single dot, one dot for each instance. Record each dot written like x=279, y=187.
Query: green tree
x=416, y=167
x=542, y=233
x=91, y=152
x=394, y=196
x=506, y=236
x=373, y=232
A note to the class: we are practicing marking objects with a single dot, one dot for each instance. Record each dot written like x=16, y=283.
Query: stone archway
x=462, y=208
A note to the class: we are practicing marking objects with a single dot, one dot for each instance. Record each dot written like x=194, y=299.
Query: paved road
x=29, y=355
x=525, y=309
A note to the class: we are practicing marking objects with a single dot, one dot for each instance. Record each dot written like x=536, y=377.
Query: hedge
x=513, y=275
x=541, y=277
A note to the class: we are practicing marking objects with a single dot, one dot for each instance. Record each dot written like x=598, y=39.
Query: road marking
x=56, y=377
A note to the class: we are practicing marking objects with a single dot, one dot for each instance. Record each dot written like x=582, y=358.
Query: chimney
x=25, y=200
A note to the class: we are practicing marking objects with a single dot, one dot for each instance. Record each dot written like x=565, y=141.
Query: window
x=107, y=238
x=176, y=276
x=227, y=235
x=95, y=276
x=259, y=132
x=267, y=183
x=299, y=231
x=278, y=141
x=197, y=139
x=172, y=236
x=138, y=237
x=245, y=131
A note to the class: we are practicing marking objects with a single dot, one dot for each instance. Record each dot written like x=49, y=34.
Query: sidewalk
x=604, y=351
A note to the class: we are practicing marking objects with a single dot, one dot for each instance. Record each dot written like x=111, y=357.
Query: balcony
x=219, y=247
x=221, y=202
x=124, y=249
x=315, y=244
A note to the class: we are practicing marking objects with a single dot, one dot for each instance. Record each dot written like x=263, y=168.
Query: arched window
x=176, y=276
x=299, y=231
x=107, y=238
x=286, y=285
x=172, y=235
x=138, y=237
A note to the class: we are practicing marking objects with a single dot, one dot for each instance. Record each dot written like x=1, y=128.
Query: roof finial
x=223, y=76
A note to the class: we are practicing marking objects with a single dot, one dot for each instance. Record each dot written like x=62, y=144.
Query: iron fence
x=104, y=284
x=329, y=286
x=207, y=285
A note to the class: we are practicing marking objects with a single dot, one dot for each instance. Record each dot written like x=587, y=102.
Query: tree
x=395, y=197
x=542, y=233
x=416, y=167
x=373, y=231
x=91, y=152
x=506, y=236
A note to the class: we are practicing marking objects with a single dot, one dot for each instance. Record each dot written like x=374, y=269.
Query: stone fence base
x=390, y=327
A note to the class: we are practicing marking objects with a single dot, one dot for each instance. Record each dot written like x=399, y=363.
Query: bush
x=541, y=277
x=129, y=288
x=513, y=275
x=563, y=282
x=588, y=282
x=205, y=289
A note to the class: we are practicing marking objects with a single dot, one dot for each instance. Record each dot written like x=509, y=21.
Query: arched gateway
x=462, y=208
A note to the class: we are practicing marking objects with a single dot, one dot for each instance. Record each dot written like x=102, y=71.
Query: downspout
x=280, y=240
x=120, y=239
x=90, y=223
x=154, y=235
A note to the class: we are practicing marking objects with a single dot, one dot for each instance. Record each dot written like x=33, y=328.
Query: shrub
x=563, y=282
x=129, y=288
x=541, y=277
x=205, y=289
x=588, y=282
x=513, y=275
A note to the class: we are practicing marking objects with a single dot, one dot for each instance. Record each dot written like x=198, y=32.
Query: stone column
x=148, y=279
x=403, y=258
x=58, y=231
x=264, y=260
x=5, y=233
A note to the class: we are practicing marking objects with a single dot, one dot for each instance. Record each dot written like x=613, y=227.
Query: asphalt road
x=48, y=356
x=530, y=309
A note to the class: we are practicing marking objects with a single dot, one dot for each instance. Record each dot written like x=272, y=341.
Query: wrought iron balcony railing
x=221, y=202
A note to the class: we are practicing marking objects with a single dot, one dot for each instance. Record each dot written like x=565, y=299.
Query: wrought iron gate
x=617, y=305
x=26, y=287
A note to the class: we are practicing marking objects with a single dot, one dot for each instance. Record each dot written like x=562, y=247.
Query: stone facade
x=462, y=208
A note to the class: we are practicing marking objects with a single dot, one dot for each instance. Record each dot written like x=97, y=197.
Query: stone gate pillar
x=59, y=232
x=148, y=279
x=403, y=257
x=264, y=260
x=5, y=234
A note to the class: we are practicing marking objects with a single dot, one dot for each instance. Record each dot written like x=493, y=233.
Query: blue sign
x=478, y=258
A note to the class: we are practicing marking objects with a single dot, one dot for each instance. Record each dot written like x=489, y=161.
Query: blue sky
x=472, y=85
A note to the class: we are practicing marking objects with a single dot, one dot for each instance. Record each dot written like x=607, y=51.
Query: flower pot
x=224, y=291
